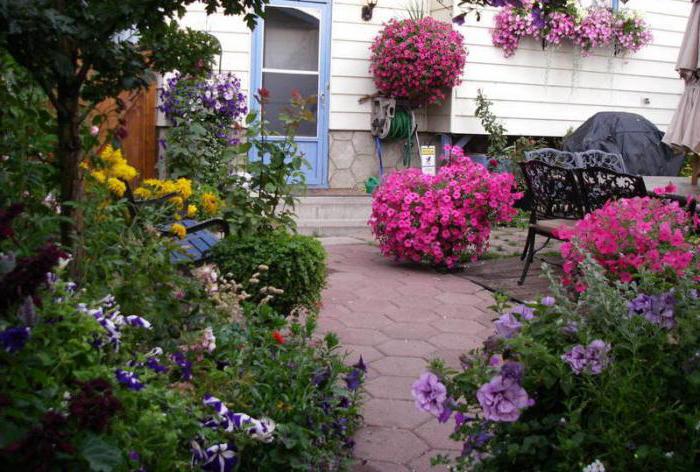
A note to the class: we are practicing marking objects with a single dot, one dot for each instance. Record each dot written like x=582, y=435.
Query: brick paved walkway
x=398, y=317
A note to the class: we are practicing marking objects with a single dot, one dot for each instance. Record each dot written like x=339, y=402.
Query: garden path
x=398, y=317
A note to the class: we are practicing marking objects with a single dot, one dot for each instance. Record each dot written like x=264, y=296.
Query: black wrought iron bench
x=196, y=246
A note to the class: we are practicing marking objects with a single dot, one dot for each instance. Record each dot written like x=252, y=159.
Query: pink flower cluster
x=629, y=236
x=438, y=219
x=416, y=59
x=598, y=28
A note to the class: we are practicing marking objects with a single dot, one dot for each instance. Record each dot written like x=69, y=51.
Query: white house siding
x=544, y=93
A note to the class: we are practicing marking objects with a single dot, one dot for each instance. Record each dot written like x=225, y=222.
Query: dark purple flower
x=444, y=416
x=14, y=339
x=354, y=379
x=185, y=366
x=154, y=364
x=592, y=359
x=538, y=18
x=361, y=365
x=130, y=379
x=321, y=376
x=220, y=458
x=429, y=393
x=513, y=370
x=94, y=405
x=134, y=456
x=576, y=358
x=344, y=402
x=502, y=399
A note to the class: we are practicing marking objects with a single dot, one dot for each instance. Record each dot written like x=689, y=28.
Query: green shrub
x=297, y=266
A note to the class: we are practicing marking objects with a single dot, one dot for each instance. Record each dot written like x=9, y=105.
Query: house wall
x=535, y=92
x=544, y=93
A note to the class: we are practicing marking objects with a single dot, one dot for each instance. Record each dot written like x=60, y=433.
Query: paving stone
x=427, y=289
x=414, y=301
x=406, y=347
x=368, y=353
x=388, y=444
x=422, y=463
x=327, y=325
x=456, y=298
x=449, y=356
x=378, y=466
x=404, y=366
x=361, y=337
x=409, y=331
x=365, y=320
x=464, y=312
x=454, y=341
x=334, y=311
x=459, y=326
x=394, y=413
x=398, y=388
x=335, y=296
x=437, y=435
x=414, y=315
x=371, y=305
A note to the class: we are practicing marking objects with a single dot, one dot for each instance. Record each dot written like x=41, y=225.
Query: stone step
x=333, y=215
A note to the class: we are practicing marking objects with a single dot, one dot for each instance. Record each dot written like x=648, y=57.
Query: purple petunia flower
x=130, y=379
x=592, y=359
x=354, y=379
x=185, y=366
x=507, y=325
x=137, y=321
x=429, y=393
x=361, y=365
x=502, y=399
x=548, y=301
x=220, y=458
x=14, y=339
x=524, y=311
x=657, y=309
x=513, y=370
x=154, y=364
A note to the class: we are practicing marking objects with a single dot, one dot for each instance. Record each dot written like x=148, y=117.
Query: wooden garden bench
x=196, y=246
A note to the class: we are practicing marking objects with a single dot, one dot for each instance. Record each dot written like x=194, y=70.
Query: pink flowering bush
x=417, y=59
x=630, y=236
x=555, y=22
x=439, y=219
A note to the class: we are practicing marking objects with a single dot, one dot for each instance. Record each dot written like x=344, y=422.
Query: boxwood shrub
x=297, y=265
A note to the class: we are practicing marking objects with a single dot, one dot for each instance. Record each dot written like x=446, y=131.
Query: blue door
x=291, y=52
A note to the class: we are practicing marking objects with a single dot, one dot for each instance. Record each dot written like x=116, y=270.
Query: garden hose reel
x=390, y=121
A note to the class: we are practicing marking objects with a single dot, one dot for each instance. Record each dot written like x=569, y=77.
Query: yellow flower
x=192, y=211
x=124, y=171
x=210, y=203
x=99, y=176
x=116, y=186
x=184, y=188
x=85, y=165
x=153, y=183
x=142, y=193
x=178, y=202
x=178, y=230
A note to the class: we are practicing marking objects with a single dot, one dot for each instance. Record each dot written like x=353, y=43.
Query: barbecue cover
x=633, y=136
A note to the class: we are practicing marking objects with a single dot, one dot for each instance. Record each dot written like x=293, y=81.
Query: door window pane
x=281, y=87
x=291, y=39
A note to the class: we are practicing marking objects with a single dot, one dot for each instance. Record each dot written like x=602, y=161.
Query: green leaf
x=102, y=456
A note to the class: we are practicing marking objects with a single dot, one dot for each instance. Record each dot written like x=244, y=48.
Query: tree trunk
x=69, y=155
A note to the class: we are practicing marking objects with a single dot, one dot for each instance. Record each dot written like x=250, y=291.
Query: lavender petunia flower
x=548, y=301
x=592, y=359
x=14, y=339
x=513, y=370
x=130, y=379
x=524, y=311
x=576, y=358
x=429, y=393
x=657, y=309
x=507, y=325
x=502, y=399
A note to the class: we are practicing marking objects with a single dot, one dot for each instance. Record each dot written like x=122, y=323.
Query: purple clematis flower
x=14, y=339
x=429, y=393
x=130, y=379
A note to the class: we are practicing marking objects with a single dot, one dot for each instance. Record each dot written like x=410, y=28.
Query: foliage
x=95, y=387
x=439, y=219
x=203, y=113
x=554, y=22
x=416, y=59
x=259, y=194
x=629, y=237
x=81, y=53
x=494, y=128
x=563, y=385
x=297, y=265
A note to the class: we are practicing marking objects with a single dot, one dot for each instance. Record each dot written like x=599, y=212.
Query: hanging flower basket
x=417, y=60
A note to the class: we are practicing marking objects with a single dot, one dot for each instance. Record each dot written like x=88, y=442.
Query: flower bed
x=628, y=237
x=554, y=22
x=441, y=219
x=416, y=60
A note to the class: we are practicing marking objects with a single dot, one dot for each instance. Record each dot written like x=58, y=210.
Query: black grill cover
x=633, y=136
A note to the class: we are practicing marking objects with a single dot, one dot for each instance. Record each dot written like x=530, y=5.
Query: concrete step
x=334, y=215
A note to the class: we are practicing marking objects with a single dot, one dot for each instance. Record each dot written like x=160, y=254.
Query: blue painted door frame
x=315, y=148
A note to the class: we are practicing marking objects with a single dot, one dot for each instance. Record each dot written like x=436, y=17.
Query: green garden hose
x=403, y=127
